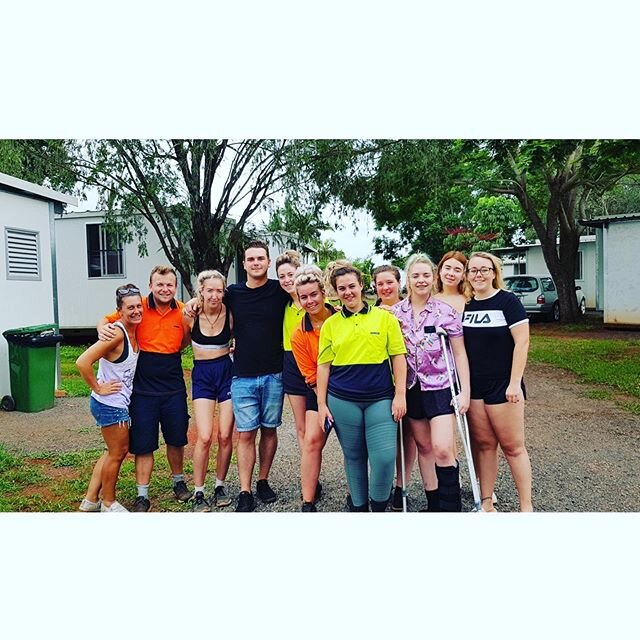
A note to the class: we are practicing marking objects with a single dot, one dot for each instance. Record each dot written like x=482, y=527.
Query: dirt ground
x=585, y=452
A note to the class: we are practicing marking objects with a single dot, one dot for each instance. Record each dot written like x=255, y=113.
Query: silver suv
x=539, y=295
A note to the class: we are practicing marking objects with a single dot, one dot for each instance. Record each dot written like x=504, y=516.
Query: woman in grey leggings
x=356, y=389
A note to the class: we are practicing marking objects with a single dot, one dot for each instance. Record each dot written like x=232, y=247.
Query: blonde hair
x=416, y=258
x=290, y=256
x=328, y=273
x=309, y=275
x=450, y=255
x=203, y=276
x=497, y=282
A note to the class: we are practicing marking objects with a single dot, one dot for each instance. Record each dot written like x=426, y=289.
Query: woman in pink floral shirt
x=429, y=403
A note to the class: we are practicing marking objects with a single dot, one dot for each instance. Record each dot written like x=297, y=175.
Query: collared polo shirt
x=292, y=318
x=159, y=335
x=425, y=360
x=304, y=344
x=358, y=346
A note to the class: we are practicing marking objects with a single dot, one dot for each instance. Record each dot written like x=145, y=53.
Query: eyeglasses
x=485, y=271
x=128, y=291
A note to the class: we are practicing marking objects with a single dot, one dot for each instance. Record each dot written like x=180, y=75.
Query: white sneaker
x=115, y=506
x=87, y=505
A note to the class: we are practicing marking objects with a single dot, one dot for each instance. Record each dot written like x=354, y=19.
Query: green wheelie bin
x=32, y=366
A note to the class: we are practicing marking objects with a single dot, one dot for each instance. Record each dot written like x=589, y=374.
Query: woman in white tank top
x=110, y=395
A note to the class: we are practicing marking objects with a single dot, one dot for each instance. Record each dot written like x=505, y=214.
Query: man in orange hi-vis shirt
x=159, y=398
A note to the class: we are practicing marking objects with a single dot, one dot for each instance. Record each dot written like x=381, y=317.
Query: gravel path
x=585, y=452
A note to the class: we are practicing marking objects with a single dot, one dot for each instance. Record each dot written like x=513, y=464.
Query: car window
x=547, y=284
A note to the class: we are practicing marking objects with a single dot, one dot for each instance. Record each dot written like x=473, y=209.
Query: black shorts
x=150, y=412
x=292, y=379
x=428, y=404
x=312, y=400
x=492, y=391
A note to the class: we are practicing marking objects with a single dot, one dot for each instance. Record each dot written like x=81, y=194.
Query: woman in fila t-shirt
x=496, y=336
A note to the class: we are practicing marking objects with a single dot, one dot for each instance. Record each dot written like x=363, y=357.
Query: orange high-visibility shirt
x=158, y=332
x=304, y=344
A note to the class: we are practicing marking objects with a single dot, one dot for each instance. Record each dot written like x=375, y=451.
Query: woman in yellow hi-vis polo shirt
x=356, y=390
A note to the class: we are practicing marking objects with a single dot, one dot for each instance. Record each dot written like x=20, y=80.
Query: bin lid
x=35, y=329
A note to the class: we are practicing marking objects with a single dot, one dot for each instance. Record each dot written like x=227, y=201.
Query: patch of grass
x=187, y=358
x=599, y=394
x=612, y=363
x=72, y=381
x=76, y=458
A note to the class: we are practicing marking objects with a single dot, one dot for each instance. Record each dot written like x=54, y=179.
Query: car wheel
x=555, y=311
x=583, y=307
x=7, y=403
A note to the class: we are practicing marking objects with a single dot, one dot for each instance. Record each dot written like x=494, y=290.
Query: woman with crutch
x=110, y=394
x=304, y=343
x=356, y=389
x=496, y=336
x=430, y=413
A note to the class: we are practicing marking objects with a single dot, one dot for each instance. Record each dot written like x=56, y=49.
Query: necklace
x=212, y=324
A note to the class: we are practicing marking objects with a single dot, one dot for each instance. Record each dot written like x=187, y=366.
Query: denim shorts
x=257, y=401
x=105, y=415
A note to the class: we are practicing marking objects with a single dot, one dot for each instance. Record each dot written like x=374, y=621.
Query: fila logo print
x=494, y=318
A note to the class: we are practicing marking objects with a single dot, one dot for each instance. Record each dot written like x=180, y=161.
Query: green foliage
x=327, y=252
x=45, y=162
x=72, y=382
x=366, y=266
x=297, y=225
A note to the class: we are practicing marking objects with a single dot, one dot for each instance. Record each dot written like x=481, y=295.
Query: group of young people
x=373, y=373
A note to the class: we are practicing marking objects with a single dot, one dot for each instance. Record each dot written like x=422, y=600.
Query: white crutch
x=402, y=474
x=461, y=420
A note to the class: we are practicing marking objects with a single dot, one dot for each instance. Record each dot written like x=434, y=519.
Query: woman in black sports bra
x=210, y=333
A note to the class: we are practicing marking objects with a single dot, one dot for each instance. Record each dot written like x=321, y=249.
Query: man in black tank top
x=256, y=390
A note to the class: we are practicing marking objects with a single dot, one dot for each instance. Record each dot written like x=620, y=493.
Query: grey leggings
x=367, y=435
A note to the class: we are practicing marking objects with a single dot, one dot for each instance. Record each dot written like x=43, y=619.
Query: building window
x=520, y=265
x=578, y=274
x=104, y=252
x=23, y=254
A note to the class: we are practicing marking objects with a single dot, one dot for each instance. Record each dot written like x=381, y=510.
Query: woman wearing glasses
x=110, y=395
x=496, y=336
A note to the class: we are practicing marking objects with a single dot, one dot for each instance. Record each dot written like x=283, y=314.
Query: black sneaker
x=220, y=497
x=246, y=502
x=141, y=505
x=308, y=507
x=396, y=500
x=265, y=492
x=200, y=503
x=181, y=491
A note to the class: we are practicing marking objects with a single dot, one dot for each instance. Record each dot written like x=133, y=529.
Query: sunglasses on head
x=128, y=291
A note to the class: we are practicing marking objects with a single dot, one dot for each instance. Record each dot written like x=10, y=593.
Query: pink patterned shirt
x=425, y=362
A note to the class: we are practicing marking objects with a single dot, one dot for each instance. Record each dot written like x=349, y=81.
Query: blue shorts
x=150, y=412
x=428, y=404
x=292, y=379
x=257, y=401
x=211, y=379
x=492, y=391
x=105, y=415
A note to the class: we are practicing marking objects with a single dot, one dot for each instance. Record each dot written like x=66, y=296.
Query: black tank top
x=221, y=340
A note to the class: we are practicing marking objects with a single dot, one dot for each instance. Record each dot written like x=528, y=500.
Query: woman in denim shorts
x=110, y=395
